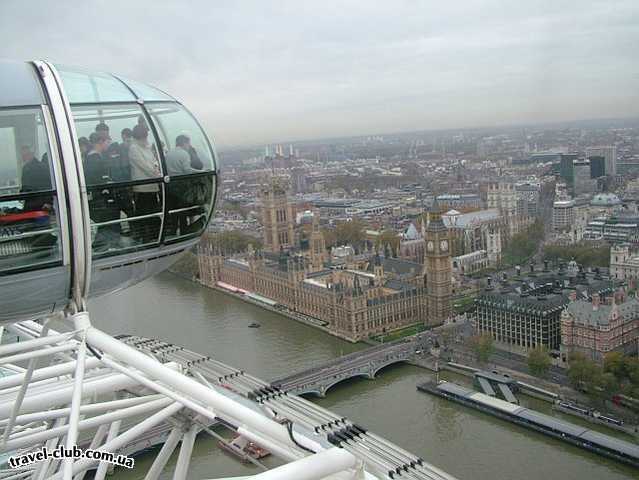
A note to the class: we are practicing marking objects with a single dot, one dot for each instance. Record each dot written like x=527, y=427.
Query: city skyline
x=255, y=74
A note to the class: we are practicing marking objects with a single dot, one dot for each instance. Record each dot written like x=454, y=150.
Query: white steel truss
x=82, y=387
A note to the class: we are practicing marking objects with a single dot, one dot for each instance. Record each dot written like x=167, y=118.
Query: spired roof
x=411, y=233
x=19, y=85
x=84, y=86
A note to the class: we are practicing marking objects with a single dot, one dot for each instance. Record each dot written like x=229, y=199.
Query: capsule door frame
x=72, y=174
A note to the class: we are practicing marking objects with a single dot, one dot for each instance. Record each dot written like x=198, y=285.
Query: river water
x=463, y=442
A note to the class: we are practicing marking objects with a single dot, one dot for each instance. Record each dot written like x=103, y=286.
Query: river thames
x=463, y=442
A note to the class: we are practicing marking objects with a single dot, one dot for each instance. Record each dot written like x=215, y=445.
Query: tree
x=582, y=372
x=615, y=363
x=233, y=241
x=539, y=361
x=187, y=266
x=330, y=240
x=482, y=345
x=606, y=385
x=349, y=233
x=583, y=254
x=523, y=245
x=235, y=207
x=632, y=369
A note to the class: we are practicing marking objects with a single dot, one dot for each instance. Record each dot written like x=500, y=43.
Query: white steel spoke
x=43, y=467
x=167, y=387
x=74, y=415
x=124, y=438
x=23, y=390
x=117, y=415
x=184, y=459
x=165, y=453
x=100, y=433
x=103, y=467
x=41, y=353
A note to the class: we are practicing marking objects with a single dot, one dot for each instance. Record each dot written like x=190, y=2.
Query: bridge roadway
x=364, y=363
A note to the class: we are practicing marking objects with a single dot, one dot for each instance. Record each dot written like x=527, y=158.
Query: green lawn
x=401, y=333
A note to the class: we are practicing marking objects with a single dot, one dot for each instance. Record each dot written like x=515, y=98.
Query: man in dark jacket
x=35, y=174
x=96, y=167
x=103, y=206
x=35, y=178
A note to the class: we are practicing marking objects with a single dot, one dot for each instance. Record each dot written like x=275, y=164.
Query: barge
x=577, y=435
x=244, y=449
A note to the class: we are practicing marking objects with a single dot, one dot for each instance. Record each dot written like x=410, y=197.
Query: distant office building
x=613, y=229
x=563, y=215
x=544, y=157
x=624, y=263
x=609, y=153
x=459, y=201
x=566, y=168
x=581, y=178
x=528, y=198
x=628, y=167
x=352, y=207
x=597, y=166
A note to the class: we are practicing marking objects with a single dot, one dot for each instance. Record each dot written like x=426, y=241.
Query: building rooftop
x=411, y=233
x=461, y=220
x=605, y=200
x=586, y=314
x=545, y=291
x=401, y=267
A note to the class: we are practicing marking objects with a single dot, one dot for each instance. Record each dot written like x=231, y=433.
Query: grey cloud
x=257, y=71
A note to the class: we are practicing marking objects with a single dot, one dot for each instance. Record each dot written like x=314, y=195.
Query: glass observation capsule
x=103, y=182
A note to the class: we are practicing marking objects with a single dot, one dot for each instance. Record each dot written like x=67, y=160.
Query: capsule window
x=29, y=231
x=187, y=150
x=189, y=162
x=92, y=87
x=189, y=202
x=123, y=173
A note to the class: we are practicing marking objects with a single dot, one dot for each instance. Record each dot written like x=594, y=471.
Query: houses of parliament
x=354, y=296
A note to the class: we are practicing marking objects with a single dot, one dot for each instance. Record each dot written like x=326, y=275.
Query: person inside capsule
x=102, y=202
x=144, y=164
x=180, y=161
x=28, y=230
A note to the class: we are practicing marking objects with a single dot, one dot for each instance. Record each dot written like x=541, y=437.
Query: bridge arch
x=388, y=363
x=320, y=389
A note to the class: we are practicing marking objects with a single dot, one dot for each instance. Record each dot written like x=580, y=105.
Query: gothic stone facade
x=375, y=296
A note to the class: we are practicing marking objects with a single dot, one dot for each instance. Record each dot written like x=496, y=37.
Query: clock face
x=430, y=246
x=443, y=245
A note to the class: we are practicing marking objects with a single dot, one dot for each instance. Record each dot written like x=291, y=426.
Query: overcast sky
x=266, y=71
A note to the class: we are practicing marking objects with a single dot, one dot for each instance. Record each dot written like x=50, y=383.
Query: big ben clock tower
x=438, y=271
